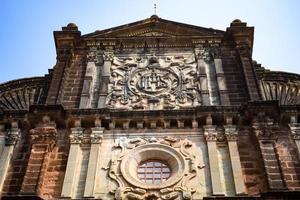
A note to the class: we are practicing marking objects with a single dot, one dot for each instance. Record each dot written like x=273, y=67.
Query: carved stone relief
x=153, y=82
x=179, y=154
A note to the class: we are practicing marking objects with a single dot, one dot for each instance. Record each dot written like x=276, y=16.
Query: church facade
x=152, y=110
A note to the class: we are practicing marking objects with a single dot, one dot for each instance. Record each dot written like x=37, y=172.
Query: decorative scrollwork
x=182, y=159
x=153, y=83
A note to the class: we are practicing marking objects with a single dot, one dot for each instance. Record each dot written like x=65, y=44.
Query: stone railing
x=20, y=94
x=281, y=86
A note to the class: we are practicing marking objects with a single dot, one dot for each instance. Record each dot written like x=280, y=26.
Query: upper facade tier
x=154, y=64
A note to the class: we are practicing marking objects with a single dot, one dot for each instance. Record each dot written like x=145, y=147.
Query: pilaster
x=223, y=91
x=91, y=79
x=72, y=171
x=243, y=37
x=108, y=56
x=210, y=134
x=66, y=41
x=7, y=146
x=43, y=139
x=232, y=137
x=266, y=137
x=207, y=75
x=295, y=131
x=202, y=77
x=96, y=140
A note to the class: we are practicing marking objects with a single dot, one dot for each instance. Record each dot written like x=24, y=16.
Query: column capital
x=97, y=135
x=108, y=55
x=210, y=133
x=76, y=136
x=203, y=53
x=45, y=132
x=231, y=132
x=295, y=130
x=215, y=52
x=13, y=134
x=94, y=55
x=265, y=131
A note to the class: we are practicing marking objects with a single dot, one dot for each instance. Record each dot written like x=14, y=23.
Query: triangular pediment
x=154, y=26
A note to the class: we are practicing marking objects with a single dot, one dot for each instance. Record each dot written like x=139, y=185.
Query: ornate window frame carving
x=150, y=151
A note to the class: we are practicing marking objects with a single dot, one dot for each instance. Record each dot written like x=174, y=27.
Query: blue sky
x=27, y=45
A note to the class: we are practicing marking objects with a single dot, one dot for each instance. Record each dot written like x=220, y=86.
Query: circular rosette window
x=171, y=163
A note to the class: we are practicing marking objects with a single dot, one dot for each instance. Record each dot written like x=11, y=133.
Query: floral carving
x=153, y=83
x=13, y=135
x=175, y=188
x=76, y=136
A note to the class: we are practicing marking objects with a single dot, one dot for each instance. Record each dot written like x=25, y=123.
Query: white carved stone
x=153, y=82
x=180, y=155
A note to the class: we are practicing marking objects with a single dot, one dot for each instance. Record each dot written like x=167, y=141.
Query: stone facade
x=152, y=110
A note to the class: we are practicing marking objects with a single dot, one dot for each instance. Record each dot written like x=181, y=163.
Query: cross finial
x=155, y=8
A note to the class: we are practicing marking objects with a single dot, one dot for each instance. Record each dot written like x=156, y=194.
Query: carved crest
x=153, y=82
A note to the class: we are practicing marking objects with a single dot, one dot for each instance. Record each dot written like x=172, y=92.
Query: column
x=232, y=137
x=96, y=140
x=43, y=139
x=72, y=170
x=266, y=139
x=105, y=75
x=295, y=131
x=211, y=138
x=13, y=135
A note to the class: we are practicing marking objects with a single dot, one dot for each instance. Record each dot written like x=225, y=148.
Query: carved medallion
x=153, y=82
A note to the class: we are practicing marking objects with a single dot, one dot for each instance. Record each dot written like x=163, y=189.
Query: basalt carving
x=153, y=82
x=128, y=152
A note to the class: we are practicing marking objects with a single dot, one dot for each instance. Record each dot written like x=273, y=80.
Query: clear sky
x=26, y=33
